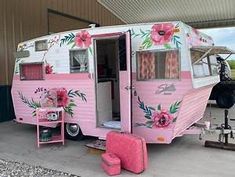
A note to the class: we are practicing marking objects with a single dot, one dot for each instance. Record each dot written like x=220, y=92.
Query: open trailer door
x=113, y=82
x=124, y=44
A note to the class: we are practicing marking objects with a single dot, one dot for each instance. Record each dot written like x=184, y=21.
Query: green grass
x=233, y=74
x=231, y=63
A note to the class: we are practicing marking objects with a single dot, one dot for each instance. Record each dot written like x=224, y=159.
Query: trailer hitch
x=224, y=131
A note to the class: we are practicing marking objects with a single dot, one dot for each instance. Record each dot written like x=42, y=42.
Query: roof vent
x=92, y=25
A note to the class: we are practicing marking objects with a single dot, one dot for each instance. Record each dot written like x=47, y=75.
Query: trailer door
x=124, y=44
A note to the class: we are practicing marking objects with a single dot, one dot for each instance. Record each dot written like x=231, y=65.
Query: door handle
x=90, y=76
x=129, y=87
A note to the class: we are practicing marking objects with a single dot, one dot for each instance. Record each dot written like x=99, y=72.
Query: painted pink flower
x=49, y=69
x=162, y=119
x=62, y=97
x=83, y=39
x=162, y=33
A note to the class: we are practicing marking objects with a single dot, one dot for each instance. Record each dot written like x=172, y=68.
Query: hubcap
x=72, y=129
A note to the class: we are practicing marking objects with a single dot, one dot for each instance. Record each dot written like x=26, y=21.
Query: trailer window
x=41, y=45
x=201, y=69
x=207, y=66
x=213, y=65
x=78, y=61
x=157, y=65
x=31, y=71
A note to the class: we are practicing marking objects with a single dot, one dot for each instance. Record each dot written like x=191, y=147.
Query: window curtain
x=147, y=66
x=172, y=65
x=81, y=60
x=31, y=72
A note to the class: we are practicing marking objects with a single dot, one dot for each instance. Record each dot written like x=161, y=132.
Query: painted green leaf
x=136, y=35
x=174, y=120
x=70, y=42
x=149, y=124
x=140, y=124
x=176, y=41
x=68, y=39
x=167, y=46
x=76, y=93
x=142, y=31
x=174, y=107
x=71, y=104
x=147, y=110
x=68, y=110
x=177, y=37
x=73, y=45
x=147, y=43
x=177, y=25
x=133, y=34
x=144, y=34
x=148, y=117
x=151, y=108
x=34, y=113
x=71, y=95
x=30, y=103
x=159, y=107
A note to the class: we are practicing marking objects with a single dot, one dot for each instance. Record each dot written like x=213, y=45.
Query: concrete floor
x=185, y=157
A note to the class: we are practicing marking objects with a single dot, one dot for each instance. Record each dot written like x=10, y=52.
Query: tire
x=73, y=132
x=225, y=100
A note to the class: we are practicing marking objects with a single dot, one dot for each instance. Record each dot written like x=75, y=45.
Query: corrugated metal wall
x=25, y=19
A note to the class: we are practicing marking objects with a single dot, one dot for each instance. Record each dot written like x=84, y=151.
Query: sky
x=222, y=37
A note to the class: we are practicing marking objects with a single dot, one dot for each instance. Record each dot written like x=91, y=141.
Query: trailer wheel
x=73, y=132
x=225, y=100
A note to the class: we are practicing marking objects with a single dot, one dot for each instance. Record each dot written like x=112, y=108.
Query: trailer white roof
x=197, y=13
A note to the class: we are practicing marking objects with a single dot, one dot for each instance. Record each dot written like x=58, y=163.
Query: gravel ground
x=16, y=169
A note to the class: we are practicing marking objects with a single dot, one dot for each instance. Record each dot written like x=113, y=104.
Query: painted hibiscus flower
x=162, y=33
x=162, y=119
x=62, y=97
x=49, y=69
x=83, y=39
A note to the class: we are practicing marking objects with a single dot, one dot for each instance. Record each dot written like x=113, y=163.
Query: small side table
x=50, y=117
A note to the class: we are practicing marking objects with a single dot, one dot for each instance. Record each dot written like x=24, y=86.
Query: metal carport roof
x=197, y=13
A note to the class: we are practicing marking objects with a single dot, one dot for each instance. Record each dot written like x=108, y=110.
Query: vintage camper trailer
x=151, y=79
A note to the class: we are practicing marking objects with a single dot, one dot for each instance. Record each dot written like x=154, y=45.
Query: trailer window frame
x=77, y=69
x=41, y=73
x=207, y=60
x=156, y=77
x=41, y=45
x=208, y=51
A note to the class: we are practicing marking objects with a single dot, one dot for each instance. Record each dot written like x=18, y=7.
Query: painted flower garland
x=158, y=118
x=81, y=39
x=49, y=69
x=59, y=97
x=160, y=34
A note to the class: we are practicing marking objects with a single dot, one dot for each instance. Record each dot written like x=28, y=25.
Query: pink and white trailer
x=152, y=80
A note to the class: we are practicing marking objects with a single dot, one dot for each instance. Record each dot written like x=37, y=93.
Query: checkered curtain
x=172, y=65
x=32, y=71
x=147, y=66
